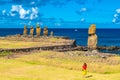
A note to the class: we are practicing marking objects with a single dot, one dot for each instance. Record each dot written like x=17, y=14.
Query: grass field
x=49, y=65
x=26, y=43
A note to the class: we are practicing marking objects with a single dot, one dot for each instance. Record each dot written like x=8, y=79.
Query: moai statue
x=38, y=30
x=31, y=31
x=45, y=32
x=25, y=31
x=51, y=33
x=92, y=38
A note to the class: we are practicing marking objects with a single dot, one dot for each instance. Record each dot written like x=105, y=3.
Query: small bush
x=5, y=53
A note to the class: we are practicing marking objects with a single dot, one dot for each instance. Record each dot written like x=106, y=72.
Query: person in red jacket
x=84, y=69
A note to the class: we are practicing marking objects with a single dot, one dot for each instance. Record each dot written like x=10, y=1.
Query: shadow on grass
x=88, y=76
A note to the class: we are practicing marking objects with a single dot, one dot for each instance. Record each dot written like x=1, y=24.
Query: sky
x=60, y=13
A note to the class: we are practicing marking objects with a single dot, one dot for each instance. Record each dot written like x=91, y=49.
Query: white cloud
x=3, y=12
x=32, y=3
x=12, y=14
x=34, y=13
x=82, y=20
x=118, y=10
x=16, y=8
x=83, y=9
x=29, y=23
x=24, y=14
x=35, y=10
x=8, y=14
x=57, y=24
x=28, y=11
x=40, y=23
x=33, y=16
x=114, y=20
x=115, y=15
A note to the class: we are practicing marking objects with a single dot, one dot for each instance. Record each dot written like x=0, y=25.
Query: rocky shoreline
x=73, y=42
x=69, y=45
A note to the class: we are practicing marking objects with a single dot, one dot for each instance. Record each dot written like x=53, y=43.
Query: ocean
x=106, y=37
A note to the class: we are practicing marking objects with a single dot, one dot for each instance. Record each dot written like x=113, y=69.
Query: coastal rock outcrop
x=92, y=38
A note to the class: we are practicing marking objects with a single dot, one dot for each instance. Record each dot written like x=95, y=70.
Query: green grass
x=18, y=44
x=26, y=43
x=5, y=53
x=48, y=65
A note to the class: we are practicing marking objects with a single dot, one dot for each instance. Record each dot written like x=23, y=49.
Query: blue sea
x=106, y=37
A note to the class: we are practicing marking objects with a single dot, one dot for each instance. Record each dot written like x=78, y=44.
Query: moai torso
x=45, y=32
x=92, y=38
x=31, y=31
x=25, y=31
x=92, y=41
x=38, y=31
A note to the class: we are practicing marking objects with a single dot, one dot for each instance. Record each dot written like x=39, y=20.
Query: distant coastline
x=107, y=37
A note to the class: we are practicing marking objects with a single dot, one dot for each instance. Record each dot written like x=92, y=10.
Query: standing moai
x=25, y=31
x=38, y=30
x=31, y=31
x=45, y=32
x=51, y=33
x=92, y=38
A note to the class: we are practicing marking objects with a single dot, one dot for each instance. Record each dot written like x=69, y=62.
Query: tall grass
x=63, y=60
x=49, y=65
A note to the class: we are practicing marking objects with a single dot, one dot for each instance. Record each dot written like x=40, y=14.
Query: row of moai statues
x=92, y=38
x=38, y=31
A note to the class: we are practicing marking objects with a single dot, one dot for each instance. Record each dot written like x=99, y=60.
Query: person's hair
x=85, y=64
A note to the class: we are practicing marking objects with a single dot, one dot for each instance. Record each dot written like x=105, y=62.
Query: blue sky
x=60, y=13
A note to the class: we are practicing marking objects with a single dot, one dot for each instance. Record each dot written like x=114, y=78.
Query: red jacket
x=84, y=67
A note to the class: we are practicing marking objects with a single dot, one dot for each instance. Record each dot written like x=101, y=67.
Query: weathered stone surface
x=38, y=30
x=51, y=33
x=54, y=47
x=45, y=32
x=92, y=38
x=25, y=31
x=92, y=42
x=31, y=31
x=92, y=29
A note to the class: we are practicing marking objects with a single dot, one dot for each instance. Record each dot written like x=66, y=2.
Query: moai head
x=37, y=25
x=25, y=31
x=92, y=38
x=45, y=32
x=31, y=31
x=38, y=30
x=25, y=27
x=45, y=28
x=92, y=29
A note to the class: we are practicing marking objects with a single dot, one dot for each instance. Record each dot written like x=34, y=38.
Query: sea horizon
x=106, y=36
